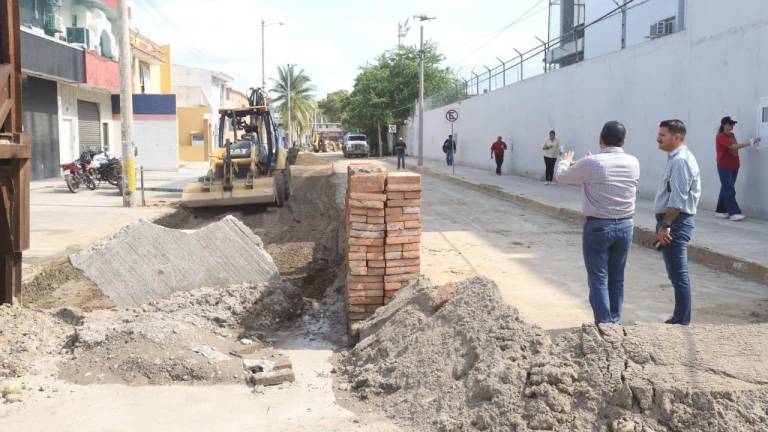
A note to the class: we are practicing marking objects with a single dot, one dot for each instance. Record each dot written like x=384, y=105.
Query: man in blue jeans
x=609, y=188
x=677, y=198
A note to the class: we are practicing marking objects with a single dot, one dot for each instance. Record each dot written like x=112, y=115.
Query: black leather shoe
x=671, y=321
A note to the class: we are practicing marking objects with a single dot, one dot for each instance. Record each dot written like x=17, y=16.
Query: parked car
x=355, y=144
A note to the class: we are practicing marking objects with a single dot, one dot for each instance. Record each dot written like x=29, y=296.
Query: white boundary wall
x=718, y=66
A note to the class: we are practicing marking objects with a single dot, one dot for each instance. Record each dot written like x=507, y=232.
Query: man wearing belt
x=677, y=198
x=609, y=189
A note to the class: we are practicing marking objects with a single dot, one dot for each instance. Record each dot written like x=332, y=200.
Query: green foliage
x=385, y=91
x=332, y=107
x=302, y=100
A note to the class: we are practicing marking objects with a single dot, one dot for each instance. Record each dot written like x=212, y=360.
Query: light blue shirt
x=680, y=187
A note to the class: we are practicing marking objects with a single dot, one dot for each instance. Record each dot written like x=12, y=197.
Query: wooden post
x=15, y=152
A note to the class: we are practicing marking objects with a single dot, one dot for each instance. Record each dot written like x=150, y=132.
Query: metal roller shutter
x=89, y=126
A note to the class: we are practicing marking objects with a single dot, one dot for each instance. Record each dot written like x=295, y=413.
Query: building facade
x=200, y=93
x=69, y=71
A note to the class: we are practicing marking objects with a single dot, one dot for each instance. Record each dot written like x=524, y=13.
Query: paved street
x=537, y=262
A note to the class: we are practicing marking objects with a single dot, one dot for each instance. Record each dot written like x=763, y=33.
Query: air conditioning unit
x=54, y=23
x=79, y=36
x=662, y=28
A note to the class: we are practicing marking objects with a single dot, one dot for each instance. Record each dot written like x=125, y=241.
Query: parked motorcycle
x=79, y=173
x=108, y=169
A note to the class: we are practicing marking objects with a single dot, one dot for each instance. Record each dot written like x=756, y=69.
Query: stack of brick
x=366, y=236
x=403, y=236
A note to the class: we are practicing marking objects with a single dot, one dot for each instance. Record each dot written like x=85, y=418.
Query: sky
x=332, y=39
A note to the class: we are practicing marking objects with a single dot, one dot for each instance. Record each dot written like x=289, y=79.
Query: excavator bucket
x=261, y=191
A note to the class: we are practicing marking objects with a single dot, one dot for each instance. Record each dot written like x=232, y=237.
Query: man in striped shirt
x=609, y=188
x=677, y=199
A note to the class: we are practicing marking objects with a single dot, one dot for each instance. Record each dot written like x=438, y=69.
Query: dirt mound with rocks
x=145, y=261
x=28, y=336
x=456, y=358
x=191, y=336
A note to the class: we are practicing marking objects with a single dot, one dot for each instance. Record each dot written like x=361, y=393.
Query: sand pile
x=145, y=262
x=458, y=359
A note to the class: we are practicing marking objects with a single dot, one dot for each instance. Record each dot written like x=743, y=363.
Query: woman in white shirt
x=552, y=151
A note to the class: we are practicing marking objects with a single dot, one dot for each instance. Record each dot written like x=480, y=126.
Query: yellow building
x=151, y=65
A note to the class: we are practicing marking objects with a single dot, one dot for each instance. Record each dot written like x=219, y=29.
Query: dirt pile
x=455, y=358
x=26, y=337
x=145, y=261
x=192, y=336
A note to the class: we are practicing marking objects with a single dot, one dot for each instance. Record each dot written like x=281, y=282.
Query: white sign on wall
x=762, y=123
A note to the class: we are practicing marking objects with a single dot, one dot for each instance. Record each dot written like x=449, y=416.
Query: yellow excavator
x=249, y=166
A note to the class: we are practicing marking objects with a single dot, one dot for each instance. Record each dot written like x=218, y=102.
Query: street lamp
x=421, y=18
x=263, y=72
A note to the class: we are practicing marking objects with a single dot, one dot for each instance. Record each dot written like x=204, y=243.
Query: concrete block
x=367, y=196
x=378, y=271
x=366, y=242
x=393, y=248
x=411, y=254
x=404, y=188
x=395, y=226
x=411, y=210
x=403, y=177
x=395, y=195
x=375, y=264
x=403, y=270
x=367, y=183
x=404, y=203
x=368, y=227
x=410, y=195
x=393, y=255
x=367, y=234
x=358, y=218
x=403, y=240
x=276, y=377
x=408, y=277
x=415, y=246
x=404, y=233
x=403, y=263
x=361, y=286
x=363, y=279
x=375, y=213
x=412, y=224
x=375, y=256
x=357, y=256
x=366, y=204
x=375, y=220
x=403, y=217
x=359, y=300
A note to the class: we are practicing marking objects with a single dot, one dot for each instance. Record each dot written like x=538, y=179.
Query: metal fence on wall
x=530, y=63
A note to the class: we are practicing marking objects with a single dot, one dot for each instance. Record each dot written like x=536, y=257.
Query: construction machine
x=248, y=167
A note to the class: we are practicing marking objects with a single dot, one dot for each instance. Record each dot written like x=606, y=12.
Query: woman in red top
x=728, y=168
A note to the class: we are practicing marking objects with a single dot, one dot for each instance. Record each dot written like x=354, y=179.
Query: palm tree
x=302, y=100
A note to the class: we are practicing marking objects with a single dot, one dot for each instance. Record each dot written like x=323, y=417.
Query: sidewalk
x=173, y=181
x=738, y=247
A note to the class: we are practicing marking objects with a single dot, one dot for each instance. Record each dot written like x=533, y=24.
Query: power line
x=498, y=33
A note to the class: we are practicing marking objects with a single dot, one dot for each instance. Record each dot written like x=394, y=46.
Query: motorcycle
x=79, y=173
x=108, y=169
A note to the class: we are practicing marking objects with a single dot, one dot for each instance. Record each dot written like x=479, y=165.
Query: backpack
x=446, y=146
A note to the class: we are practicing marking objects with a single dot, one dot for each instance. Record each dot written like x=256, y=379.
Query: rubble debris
x=145, y=262
x=469, y=362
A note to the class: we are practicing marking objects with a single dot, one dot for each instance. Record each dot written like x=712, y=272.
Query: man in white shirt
x=552, y=151
x=609, y=182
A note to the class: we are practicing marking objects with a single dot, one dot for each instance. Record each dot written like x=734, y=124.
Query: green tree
x=332, y=107
x=303, y=103
x=385, y=92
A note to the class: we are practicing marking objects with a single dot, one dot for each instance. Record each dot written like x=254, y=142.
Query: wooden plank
x=21, y=208
x=15, y=151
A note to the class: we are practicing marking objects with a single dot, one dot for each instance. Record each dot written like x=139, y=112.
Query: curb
x=642, y=236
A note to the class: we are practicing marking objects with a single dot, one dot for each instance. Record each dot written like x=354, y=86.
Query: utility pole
x=421, y=18
x=623, y=6
x=126, y=107
x=263, y=69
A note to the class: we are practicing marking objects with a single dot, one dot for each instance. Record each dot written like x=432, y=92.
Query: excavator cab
x=248, y=166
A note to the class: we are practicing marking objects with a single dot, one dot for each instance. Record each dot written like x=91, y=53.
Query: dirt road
x=536, y=261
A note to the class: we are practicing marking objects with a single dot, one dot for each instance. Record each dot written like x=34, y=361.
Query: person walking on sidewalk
x=677, y=198
x=552, y=151
x=609, y=182
x=399, y=148
x=728, y=168
x=449, y=148
x=497, y=152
